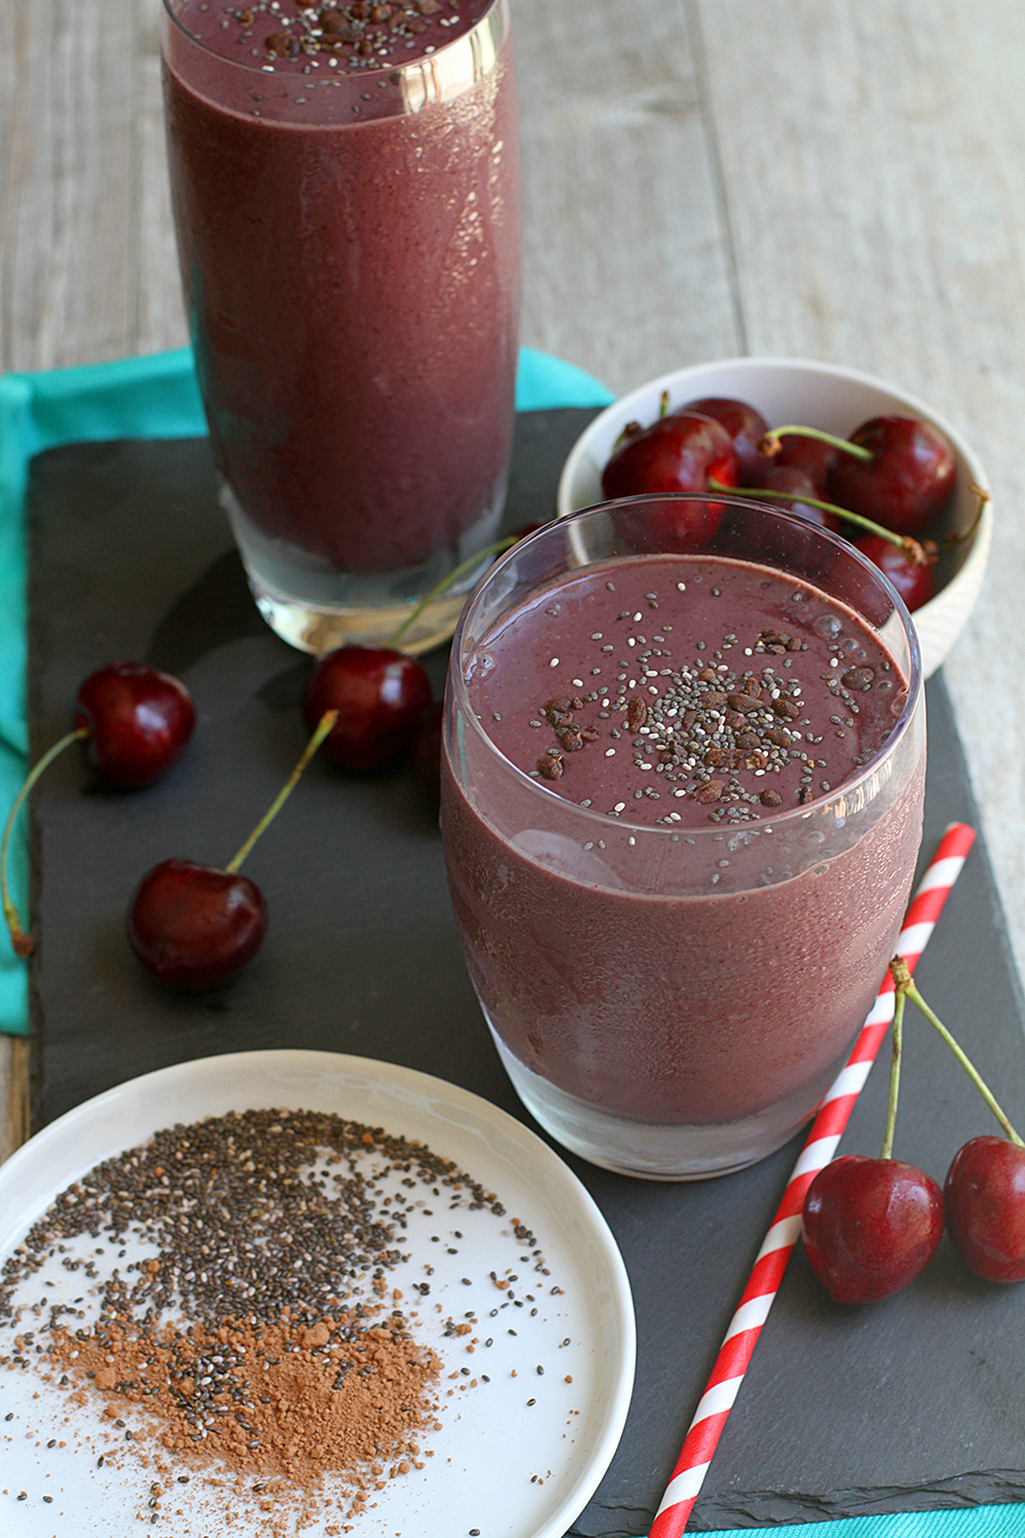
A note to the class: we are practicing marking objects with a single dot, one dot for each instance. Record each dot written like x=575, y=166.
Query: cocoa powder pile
x=259, y=1338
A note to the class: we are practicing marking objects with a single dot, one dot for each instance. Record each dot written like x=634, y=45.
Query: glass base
x=659, y=1151
x=316, y=630
x=316, y=608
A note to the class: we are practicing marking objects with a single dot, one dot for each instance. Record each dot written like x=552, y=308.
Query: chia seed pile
x=356, y=36
x=260, y=1336
x=707, y=724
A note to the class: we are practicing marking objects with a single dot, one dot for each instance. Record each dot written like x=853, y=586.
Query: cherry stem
x=918, y=554
x=324, y=725
x=903, y=984
x=446, y=582
x=897, y=1043
x=21, y=941
x=770, y=444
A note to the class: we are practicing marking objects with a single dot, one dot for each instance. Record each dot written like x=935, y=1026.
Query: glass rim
x=790, y=817
x=411, y=68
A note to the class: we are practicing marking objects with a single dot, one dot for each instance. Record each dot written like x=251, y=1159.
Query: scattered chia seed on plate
x=249, y=1326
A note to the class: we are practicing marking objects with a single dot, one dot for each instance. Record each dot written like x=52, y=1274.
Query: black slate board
x=909, y=1405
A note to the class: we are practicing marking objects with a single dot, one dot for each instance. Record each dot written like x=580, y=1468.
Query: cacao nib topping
x=711, y=790
x=636, y=714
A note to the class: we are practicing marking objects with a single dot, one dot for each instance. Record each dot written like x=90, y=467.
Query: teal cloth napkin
x=156, y=397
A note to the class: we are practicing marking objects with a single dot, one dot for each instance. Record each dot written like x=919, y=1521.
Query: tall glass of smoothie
x=345, y=186
x=682, y=790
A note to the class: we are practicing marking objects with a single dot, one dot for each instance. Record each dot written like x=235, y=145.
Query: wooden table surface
x=703, y=178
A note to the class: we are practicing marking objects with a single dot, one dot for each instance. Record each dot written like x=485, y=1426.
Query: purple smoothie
x=666, y=912
x=349, y=240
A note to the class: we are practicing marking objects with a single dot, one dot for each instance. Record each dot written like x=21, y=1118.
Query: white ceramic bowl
x=787, y=390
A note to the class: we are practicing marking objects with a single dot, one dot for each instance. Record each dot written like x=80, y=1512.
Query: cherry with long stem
x=871, y=1225
x=898, y=470
x=194, y=926
x=381, y=694
x=905, y=987
x=984, y=1192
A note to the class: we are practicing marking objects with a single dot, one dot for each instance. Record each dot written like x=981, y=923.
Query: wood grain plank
x=86, y=239
x=625, y=267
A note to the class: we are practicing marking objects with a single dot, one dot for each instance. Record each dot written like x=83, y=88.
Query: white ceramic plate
x=824, y=395
x=509, y=1469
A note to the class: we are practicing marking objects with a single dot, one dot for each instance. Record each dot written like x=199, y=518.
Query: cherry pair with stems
x=190, y=925
x=871, y=1225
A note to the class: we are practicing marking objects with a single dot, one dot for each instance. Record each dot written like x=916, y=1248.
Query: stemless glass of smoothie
x=682, y=790
x=345, y=185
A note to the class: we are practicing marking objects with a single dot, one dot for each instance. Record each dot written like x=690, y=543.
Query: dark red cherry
x=908, y=479
x=915, y=584
x=679, y=453
x=380, y=695
x=676, y=453
x=194, y=926
x=870, y=1226
x=985, y=1201
x=134, y=723
x=139, y=722
x=798, y=486
x=746, y=427
x=812, y=456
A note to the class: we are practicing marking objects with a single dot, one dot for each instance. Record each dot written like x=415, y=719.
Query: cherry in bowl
x=746, y=428
x=907, y=479
x=684, y=452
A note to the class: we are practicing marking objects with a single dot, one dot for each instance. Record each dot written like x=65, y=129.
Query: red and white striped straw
x=753, y=1309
